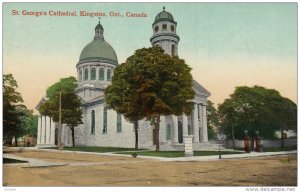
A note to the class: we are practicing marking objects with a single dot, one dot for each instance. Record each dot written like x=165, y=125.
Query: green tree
x=23, y=121
x=152, y=84
x=257, y=109
x=120, y=97
x=212, y=120
x=71, y=104
x=11, y=105
x=31, y=128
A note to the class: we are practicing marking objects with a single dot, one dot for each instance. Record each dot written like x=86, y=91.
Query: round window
x=156, y=28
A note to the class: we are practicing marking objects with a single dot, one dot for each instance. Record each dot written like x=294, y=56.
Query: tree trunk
x=282, y=140
x=233, y=139
x=16, y=141
x=157, y=132
x=136, y=127
x=73, y=136
x=252, y=143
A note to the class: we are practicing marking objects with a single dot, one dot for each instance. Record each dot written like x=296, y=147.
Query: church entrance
x=180, y=132
x=56, y=136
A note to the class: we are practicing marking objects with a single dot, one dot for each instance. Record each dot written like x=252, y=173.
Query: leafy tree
x=11, y=101
x=71, y=104
x=121, y=97
x=150, y=84
x=23, y=121
x=32, y=125
x=257, y=109
x=212, y=120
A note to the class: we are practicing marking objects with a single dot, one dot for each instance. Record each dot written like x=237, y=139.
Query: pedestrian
x=28, y=143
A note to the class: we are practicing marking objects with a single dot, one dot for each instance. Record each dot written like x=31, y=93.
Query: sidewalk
x=31, y=162
x=193, y=158
x=216, y=157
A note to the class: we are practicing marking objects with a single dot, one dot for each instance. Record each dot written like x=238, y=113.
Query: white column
x=89, y=72
x=47, y=130
x=43, y=126
x=39, y=131
x=185, y=125
x=204, y=129
x=196, y=124
x=201, y=122
x=52, y=139
x=162, y=129
x=175, y=128
x=63, y=139
x=83, y=73
x=97, y=72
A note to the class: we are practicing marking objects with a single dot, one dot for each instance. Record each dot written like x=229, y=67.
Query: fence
x=265, y=143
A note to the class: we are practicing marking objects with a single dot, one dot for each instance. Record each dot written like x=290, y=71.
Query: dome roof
x=164, y=16
x=98, y=49
x=99, y=26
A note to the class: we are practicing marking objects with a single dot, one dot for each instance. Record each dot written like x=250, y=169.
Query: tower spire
x=99, y=30
x=164, y=8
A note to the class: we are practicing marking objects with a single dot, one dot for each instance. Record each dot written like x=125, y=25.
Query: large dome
x=98, y=49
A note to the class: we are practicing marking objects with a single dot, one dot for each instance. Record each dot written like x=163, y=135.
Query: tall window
x=101, y=74
x=86, y=74
x=168, y=131
x=93, y=73
x=119, y=122
x=105, y=120
x=93, y=122
x=108, y=75
x=173, y=50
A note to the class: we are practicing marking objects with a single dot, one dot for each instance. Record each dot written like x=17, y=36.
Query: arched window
x=101, y=74
x=168, y=131
x=80, y=75
x=173, y=50
x=108, y=75
x=119, y=122
x=105, y=120
x=93, y=122
x=86, y=74
x=93, y=73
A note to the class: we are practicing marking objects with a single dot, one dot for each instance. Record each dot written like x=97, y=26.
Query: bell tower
x=164, y=33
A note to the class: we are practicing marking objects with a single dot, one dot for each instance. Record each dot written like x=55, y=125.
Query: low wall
x=265, y=143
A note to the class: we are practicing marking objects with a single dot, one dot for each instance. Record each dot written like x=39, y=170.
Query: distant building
x=103, y=126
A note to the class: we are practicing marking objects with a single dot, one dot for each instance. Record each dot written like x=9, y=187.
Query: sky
x=226, y=44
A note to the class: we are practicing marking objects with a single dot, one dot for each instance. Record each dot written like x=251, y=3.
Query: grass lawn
x=177, y=153
x=7, y=160
x=97, y=149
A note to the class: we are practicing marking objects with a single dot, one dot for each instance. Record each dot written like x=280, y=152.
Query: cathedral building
x=103, y=126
